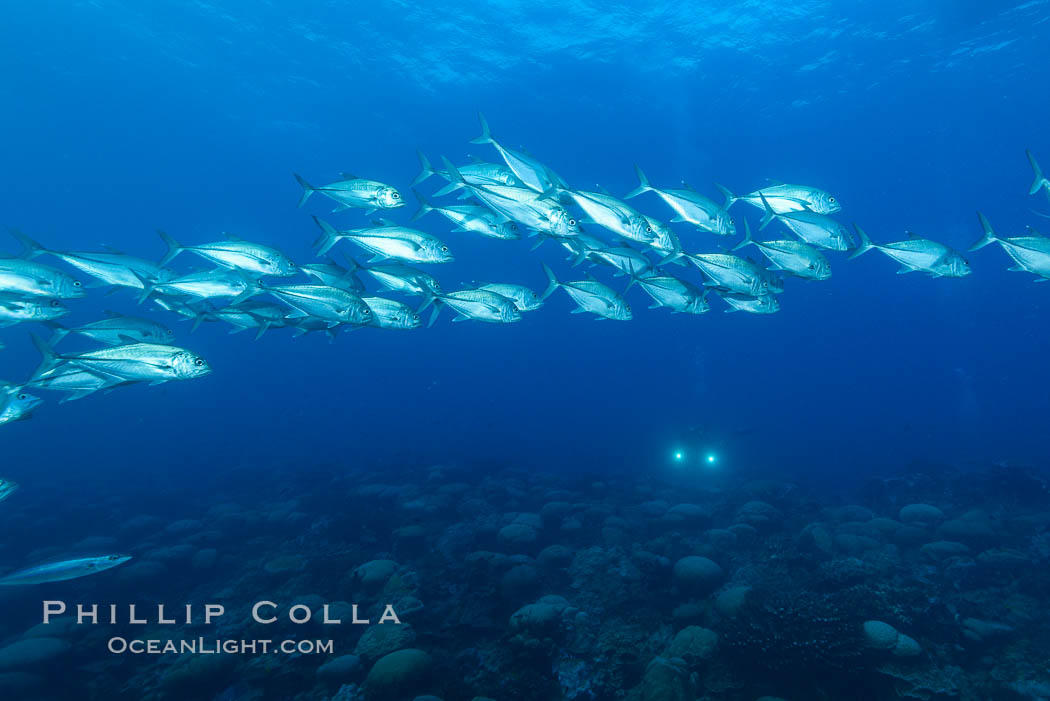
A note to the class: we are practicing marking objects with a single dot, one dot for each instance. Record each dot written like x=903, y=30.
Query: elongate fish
x=479, y=220
x=335, y=275
x=354, y=193
x=14, y=310
x=404, y=279
x=207, y=284
x=812, y=227
x=333, y=304
x=110, y=267
x=63, y=571
x=679, y=296
x=790, y=256
x=528, y=170
x=25, y=277
x=76, y=382
x=690, y=206
x=591, y=296
x=787, y=198
x=733, y=274
x=1030, y=253
x=476, y=305
x=612, y=214
x=518, y=204
x=252, y=258
x=763, y=304
x=148, y=362
x=392, y=314
x=386, y=241
x=918, y=254
x=115, y=330
x=477, y=173
x=524, y=299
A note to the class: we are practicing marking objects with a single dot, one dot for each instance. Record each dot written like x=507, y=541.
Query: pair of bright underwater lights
x=680, y=457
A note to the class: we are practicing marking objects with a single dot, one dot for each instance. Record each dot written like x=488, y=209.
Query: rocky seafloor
x=520, y=586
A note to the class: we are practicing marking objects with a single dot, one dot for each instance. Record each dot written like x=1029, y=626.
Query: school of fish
x=255, y=287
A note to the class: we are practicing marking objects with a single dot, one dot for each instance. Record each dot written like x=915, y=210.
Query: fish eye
x=831, y=199
x=572, y=222
x=170, y=332
x=366, y=312
x=112, y=558
x=648, y=229
x=55, y=303
x=396, y=196
x=444, y=249
x=415, y=317
x=199, y=362
x=23, y=397
x=76, y=283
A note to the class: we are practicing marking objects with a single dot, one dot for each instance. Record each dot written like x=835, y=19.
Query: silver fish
x=732, y=273
x=117, y=329
x=677, y=295
x=352, y=192
x=404, y=279
x=391, y=314
x=62, y=571
x=529, y=171
x=591, y=296
x=307, y=324
x=476, y=173
x=208, y=284
x=790, y=256
x=477, y=305
x=267, y=315
x=815, y=229
x=763, y=304
x=624, y=258
x=332, y=304
x=335, y=275
x=7, y=488
x=76, y=381
x=25, y=277
x=147, y=362
x=524, y=299
x=690, y=206
x=787, y=198
x=612, y=214
x=17, y=405
x=17, y=309
x=1030, y=253
x=918, y=254
x=111, y=267
x=479, y=220
x=387, y=241
x=252, y=258
x=521, y=205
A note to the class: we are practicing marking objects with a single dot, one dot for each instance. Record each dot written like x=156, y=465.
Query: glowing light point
x=678, y=455
x=710, y=459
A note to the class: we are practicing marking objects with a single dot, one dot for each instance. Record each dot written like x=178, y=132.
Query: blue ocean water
x=121, y=118
x=192, y=117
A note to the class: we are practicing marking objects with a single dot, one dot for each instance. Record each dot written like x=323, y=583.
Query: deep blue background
x=120, y=117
